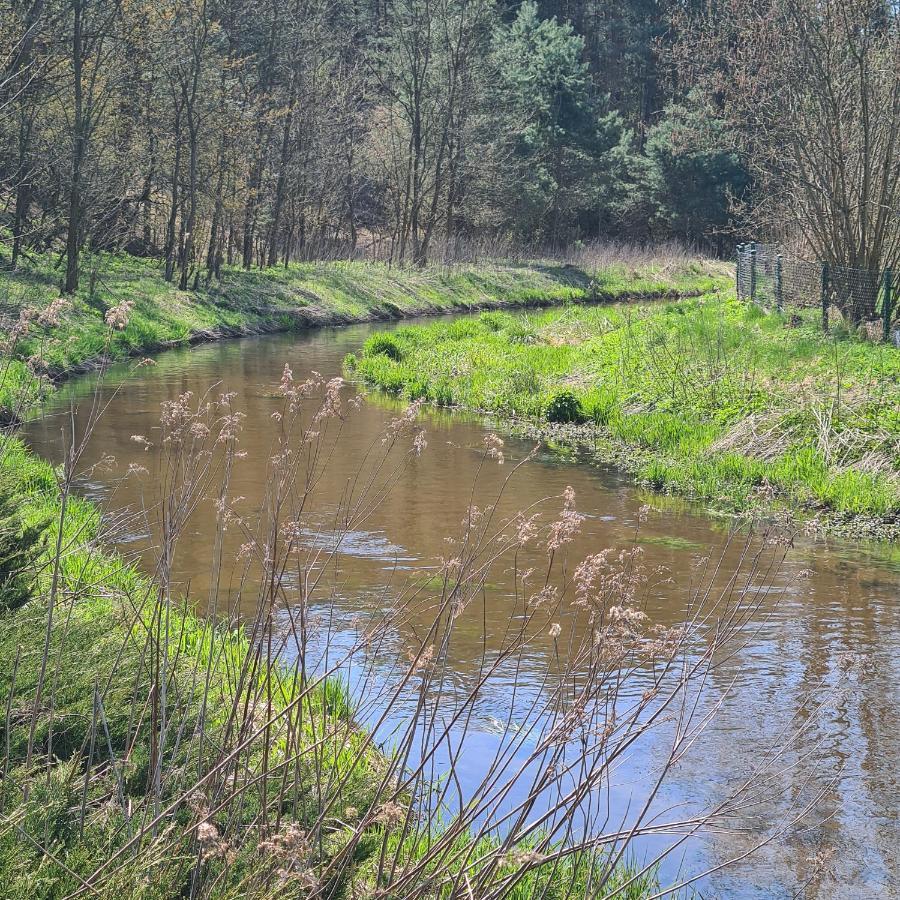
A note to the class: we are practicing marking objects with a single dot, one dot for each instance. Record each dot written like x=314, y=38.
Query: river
x=826, y=600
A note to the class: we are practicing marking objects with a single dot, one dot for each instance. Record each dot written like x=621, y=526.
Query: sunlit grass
x=299, y=295
x=722, y=400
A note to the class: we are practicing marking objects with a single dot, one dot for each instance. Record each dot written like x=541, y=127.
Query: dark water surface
x=828, y=600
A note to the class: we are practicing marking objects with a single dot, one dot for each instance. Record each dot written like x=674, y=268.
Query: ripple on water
x=360, y=544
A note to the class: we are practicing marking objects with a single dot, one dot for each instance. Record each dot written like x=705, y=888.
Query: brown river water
x=825, y=601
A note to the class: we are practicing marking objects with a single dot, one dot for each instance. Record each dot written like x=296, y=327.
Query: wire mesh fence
x=858, y=297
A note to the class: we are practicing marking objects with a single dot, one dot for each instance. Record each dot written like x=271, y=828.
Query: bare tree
x=812, y=93
x=425, y=74
x=92, y=51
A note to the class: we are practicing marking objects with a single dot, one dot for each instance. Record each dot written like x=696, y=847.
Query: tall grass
x=151, y=753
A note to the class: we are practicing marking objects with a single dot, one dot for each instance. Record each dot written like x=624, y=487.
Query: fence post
x=779, y=295
x=887, y=303
x=753, y=271
x=825, y=297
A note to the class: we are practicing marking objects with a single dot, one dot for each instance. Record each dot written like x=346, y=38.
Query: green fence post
x=825, y=297
x=887, y=303
x=753, y=271
x=779, y=295
x=737, y=271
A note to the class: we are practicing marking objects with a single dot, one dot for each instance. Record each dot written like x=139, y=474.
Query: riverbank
x=709, y=398
x=74, y=337
x=82, y=591
x=78, y=784
x=108, y=673
x=264, y=782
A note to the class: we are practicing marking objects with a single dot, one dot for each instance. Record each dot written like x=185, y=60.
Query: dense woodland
x=212, y=132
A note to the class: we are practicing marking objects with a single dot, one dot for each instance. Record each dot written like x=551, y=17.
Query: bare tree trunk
x=280, y=186
x=20, y=66
x=174, y=196
x=23, y=189
x=251, y=209
x=214, y=253
x=147, y=204
x=73, y=234
x=188, y=253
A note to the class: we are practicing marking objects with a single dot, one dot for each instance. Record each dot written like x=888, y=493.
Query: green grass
x=707, y=397
x=564, y=879
x=98, y=638
x=20, y=390
x=298, y=296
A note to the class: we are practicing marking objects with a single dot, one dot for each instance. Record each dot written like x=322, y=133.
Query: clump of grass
x=565, y=408
x=20, y=391
x=383, y=344
x=720, y=400
x=21, y=542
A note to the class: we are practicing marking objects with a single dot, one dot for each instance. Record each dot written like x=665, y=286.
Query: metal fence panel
x=766, y=276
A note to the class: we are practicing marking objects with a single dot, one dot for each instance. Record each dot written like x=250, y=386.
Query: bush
x=564, y=407
x=381, y=344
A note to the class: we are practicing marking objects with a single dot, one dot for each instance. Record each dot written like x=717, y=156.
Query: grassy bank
x=77, y=780
x=76, y=336
x=148, y=752
x=709, y=397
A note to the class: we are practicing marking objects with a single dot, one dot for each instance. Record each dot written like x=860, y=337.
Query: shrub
x=382, y=344
x=564, y=407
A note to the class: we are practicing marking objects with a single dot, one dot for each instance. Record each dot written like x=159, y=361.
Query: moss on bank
x=709, y=397
x=299, y=296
